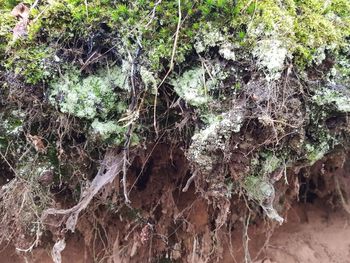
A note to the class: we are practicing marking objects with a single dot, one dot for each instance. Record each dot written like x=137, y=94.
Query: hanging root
x=189, y=181
x=111, y=166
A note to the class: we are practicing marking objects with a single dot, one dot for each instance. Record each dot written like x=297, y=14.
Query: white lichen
x=271, y=55
x=339, y=99
x=192, y=87
x=226, y=50
x=195, y=86
x=149, y=80
x=106, y=129
x=91, y=96
x=211, y=36
x=208, y=37
x=215, y=138
x=12, y=125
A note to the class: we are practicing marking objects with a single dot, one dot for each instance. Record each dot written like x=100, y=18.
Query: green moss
x=33, y=63
x=306, y=29
x=7, y=23
x=303, y=26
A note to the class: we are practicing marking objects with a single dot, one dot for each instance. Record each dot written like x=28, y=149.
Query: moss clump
x=300, y=25
x=7, y=23
x=307, y=29
x=34, y=63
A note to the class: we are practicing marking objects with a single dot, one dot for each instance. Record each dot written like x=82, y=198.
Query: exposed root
x=111, y=166
x=189, y=181
x=57, y=249
x=170, y=67
x=247, y=258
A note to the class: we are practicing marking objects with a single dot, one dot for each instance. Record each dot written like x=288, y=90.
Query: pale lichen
x=262, y=191
x=149, y=79
x=192, y=87
x=215, y=137
x=211, y=36
x=91, y=96
x=106, y=129
x=208, y=36
x=227, y=51
x=271, y=55
x=196, y=85
x=12, y=125
x=340, y=98
x=316, y=152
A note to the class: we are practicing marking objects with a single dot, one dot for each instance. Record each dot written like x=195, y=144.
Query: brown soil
x=165, y=222
x=312, y=234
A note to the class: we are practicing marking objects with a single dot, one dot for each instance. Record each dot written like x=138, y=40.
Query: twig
x=34, y=4
x=134, y=108
x=11, y=167
x=170, y=67
x=266, y=243
x=231, y=245
x=125, y=163
x=35, y=242
x=153, y=12
x=194, y=250
x=39, y=15
x=86, y=8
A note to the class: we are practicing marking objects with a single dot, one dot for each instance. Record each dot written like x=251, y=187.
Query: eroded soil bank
x=313, y=233
x=166, y=224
